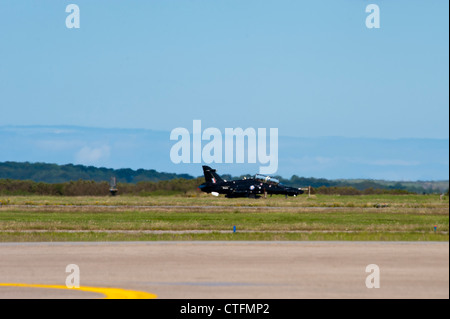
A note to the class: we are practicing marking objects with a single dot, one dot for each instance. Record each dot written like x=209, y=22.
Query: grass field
x=321, y=217
x=366, y=201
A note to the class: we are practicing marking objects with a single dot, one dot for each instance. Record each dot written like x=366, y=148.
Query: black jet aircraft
x=250, y=187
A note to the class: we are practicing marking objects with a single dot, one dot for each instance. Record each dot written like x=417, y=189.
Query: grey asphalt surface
x=231, y=270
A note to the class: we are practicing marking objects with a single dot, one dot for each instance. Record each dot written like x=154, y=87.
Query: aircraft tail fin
x=211, y=176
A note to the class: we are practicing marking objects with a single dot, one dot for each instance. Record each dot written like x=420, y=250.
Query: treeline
x=53, y=173
x=67, y=178
x=172, y=187
x=360, y=186
x=348, y=190
x=93, y=188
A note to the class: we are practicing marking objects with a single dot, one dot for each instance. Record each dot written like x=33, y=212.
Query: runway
x=229, y=270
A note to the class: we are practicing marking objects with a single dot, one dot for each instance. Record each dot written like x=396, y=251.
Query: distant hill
x=53, y=173
x=333, y=158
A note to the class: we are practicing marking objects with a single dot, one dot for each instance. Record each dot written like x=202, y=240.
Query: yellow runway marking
x=109, y=293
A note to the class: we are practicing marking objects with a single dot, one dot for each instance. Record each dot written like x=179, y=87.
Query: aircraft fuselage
x=260, y=185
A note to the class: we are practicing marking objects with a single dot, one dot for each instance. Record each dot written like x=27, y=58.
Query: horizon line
x=162, y=131
x=145, y=169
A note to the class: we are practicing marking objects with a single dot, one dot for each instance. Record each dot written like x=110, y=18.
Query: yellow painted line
x=109, y=293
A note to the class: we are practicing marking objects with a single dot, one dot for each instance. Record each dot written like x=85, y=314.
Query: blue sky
x=309, y=68
x=325, y=157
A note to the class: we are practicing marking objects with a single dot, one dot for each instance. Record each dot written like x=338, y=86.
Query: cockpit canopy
x=266, y=179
